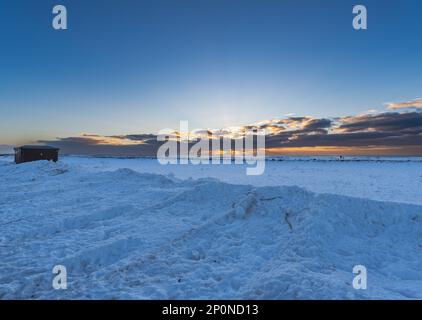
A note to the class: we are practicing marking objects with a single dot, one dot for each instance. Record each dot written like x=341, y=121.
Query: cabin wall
x=34, y=155
x=18, y=158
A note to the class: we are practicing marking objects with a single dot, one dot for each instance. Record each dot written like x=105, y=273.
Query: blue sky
x=127, y=67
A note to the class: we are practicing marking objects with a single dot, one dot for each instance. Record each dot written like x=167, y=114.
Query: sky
x=129, y=68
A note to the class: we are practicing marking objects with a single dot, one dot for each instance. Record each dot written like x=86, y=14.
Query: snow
x=133, y=229
x=385, y=179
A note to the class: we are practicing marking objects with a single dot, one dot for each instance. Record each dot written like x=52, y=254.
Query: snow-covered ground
x=384, y=179
x=131, y=228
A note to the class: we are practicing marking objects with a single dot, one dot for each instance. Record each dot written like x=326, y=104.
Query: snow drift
x=131, y=235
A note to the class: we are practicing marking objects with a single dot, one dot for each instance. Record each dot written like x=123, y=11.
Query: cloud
x=416, y=103
x=399, y=132
x=390, y=129
x=93, y=145
x=138, y=137
x=317, y=124
x=389, y=121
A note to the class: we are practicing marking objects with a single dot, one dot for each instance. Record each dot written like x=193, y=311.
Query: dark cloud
x=88, y=145
x=391, y=121
x=317, y=124
x=138, y=137
x=297, y=119
x=355, y=139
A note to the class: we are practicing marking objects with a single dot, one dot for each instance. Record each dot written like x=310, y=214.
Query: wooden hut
x=34, y=153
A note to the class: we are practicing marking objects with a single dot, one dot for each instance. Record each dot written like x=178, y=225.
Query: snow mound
x=125, y=234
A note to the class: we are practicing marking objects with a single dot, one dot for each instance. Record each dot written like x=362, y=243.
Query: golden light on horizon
x=334, y=150
x=116, y=141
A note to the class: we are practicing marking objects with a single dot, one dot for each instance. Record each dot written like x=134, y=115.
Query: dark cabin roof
x=28, y=147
